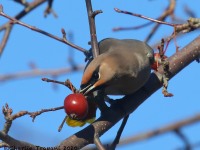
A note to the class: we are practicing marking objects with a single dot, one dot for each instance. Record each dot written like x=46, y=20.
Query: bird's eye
x=96, y=75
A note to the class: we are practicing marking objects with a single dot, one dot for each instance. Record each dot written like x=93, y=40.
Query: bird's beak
x=87, y=89
x=90, y=89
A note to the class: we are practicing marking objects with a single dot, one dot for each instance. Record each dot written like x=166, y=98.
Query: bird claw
x=166, y=93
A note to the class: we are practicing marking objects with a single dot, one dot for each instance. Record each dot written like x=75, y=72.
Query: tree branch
x=191, y=25
x=168, y=12
x=16, y=143
x=130, y=103
x=5, y=38
x=119, y=133
x=152, y=133
x=91, y=18
x=22, y=2
x=38, y=72
x=183, y=138
x=31, y=6
x=15, y=21
x=67, y=83
x=168, y=128
x=10, y=142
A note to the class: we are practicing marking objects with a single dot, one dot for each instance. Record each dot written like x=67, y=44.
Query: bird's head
x=97, y=74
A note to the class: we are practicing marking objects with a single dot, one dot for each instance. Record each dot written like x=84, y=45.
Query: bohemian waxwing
x=122, y=67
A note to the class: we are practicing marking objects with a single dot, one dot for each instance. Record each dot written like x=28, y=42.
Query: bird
x=122, y=67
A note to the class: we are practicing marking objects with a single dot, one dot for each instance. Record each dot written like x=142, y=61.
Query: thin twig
x=37, y=72
x=183, y=138
x=98, y=143
x=61, y=125
x=71, y=52
x=9, y=117
x=91, y=18
x=119, y=133
x=31, y=6
x=153, y=30
x=35, y=114
x=17, y=143
x=189, y=11
x=53, y=81
x=7, y=111
x=161, y=130
x=5, y=38
x=191, y=25
x=168, y=12
x=144, y=17
x=15, y=21
x=131, y=28
x=67, y=83
x=192, y=146
x=22, y=2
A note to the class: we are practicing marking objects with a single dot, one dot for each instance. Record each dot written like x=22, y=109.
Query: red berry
x=76, y=106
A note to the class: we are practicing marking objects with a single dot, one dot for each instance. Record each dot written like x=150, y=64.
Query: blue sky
x=25, y=46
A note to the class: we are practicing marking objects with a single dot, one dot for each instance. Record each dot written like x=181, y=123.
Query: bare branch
x=144, y=17
x=21, y=14
x=61, y=126
x=183, y=138
x=5, y=38
x=168, y=12
x=67, y=83
x=192, y=146
x=38, y=72
x=98, y=143
x=191, y=25
x=16, y=144
x=159, y=131
x=15, y=21
x=189, y=11
x=11, y=142
x=117, y=138
x=168, y=128
x=91, y=18
x=37, y=113
x=9, y=117
x=22, y=2
x=7, y=111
